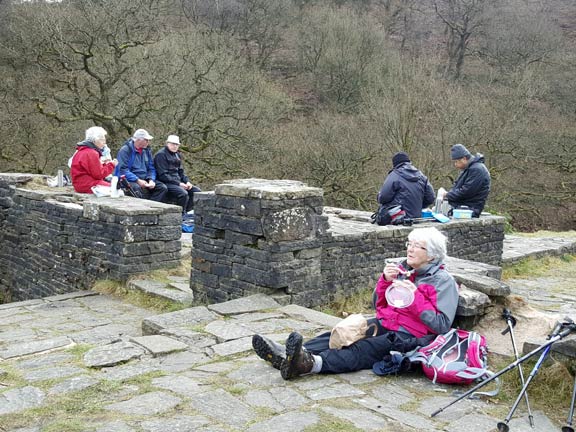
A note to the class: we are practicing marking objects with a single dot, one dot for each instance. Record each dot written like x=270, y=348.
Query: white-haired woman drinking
x=86, y=168
x=428, y=308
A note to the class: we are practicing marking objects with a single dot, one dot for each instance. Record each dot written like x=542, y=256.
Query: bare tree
x=126, y=64
x=462, y=18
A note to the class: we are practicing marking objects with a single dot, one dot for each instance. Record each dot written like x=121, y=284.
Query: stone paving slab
x=254, y=303
x=162, y=290
x=146, y=404
x=182, y=318
x=112, y=354
x=19, y=399
x=159, y=345
x=362, y=419
x=27, y=348
x=290, y=422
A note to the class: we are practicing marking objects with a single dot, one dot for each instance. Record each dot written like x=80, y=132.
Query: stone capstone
x=487, y=285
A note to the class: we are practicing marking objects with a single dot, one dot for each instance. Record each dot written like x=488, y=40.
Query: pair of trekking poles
x=560, y=331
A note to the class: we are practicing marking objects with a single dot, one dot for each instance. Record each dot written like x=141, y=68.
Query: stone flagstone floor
x=80, y=362
x=89, y=362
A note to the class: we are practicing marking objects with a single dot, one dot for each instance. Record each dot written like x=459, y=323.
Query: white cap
x=174, y=139
x=142, y=134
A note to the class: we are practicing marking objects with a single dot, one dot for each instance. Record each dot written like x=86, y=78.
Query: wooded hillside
x=319, y=91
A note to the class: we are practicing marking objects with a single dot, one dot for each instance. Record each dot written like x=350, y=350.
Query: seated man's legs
x=178, y=194
x=156, y=194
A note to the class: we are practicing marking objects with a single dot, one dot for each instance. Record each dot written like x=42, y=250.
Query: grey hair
x=95, y=133
x=435, y=242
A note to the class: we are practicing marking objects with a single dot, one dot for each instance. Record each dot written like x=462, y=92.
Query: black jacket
x=472, y=186
x=169, y=167
x=408, y=187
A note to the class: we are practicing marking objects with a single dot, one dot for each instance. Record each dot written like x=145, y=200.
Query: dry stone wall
x=56, y=241
x=276, y=237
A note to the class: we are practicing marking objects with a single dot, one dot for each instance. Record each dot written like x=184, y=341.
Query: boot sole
x=266, y=353
x=293, y=346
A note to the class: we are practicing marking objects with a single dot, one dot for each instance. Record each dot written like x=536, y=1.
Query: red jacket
x=87, y=170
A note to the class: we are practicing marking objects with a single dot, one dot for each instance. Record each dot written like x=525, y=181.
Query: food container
x=462, y=214
x=399, y=296
x=427, y=214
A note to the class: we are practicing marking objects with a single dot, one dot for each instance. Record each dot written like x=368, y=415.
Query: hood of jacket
x=82, y=145
x=479, y=158
x=408, y=172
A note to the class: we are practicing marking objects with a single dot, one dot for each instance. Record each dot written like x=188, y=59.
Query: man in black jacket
x=169, y=171
x=407, y=187
x=472, y=186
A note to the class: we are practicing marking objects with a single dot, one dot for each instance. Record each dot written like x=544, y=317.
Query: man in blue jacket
x=407, y=187
x=136, y=163
x=472, y=186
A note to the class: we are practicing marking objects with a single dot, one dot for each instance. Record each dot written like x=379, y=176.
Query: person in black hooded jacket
x=472, y=186
x=406, y=186
x=170, y=172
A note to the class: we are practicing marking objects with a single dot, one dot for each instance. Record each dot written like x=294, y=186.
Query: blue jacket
x=408, y=187
x=135, y=165
x=472, y=186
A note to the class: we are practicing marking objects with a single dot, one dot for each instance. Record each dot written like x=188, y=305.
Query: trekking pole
x=568, y=427
x=511, y=321
x=565, y=329
x=503, y=426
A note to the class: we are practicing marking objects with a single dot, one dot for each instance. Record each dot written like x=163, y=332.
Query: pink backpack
x=457, y=357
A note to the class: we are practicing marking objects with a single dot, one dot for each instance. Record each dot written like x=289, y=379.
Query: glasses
x=414, y=245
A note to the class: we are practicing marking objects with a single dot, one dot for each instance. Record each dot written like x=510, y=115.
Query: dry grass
x=136, y=298
x=549, y=266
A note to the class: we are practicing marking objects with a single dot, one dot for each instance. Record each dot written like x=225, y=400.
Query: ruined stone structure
x=56, y=241
x=251, y=236
x=276, y=237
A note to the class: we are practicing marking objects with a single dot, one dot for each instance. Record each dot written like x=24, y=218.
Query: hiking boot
x=298, y=361
x=268, y=350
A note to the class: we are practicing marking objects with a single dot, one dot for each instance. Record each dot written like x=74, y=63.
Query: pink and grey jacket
x=434, y=306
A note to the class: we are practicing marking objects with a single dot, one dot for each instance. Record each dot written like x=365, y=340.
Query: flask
x=60, y=178
x=106, y=155
x=114, y=187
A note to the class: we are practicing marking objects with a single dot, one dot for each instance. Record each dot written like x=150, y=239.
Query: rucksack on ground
x=457, y=357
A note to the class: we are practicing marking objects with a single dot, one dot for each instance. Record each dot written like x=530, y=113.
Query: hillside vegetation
x=319, y=91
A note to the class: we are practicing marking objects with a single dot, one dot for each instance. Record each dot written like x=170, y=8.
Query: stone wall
x=56, y=241
x=276, y=237
x=254, y=236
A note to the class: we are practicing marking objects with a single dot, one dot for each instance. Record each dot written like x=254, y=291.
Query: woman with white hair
x=86, y=168
x=415, y=300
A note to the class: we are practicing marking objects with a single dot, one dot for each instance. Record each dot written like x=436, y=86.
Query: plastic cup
x=399, y=296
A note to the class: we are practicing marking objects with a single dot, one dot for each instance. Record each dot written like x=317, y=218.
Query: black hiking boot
x=268, y=350
x=298, y=361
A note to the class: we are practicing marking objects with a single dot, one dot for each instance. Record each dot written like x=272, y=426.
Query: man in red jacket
x=86, y=169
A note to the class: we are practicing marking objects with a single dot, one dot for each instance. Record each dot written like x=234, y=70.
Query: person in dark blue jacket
x=136, y=163
x=169, y=169
x=472, y=186
x=406, y=186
